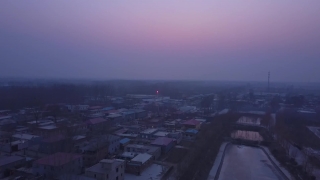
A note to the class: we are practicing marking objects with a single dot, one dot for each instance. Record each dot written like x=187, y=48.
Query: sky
x=239, y=40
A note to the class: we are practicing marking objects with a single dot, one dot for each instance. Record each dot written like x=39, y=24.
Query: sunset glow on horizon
x=212, y=40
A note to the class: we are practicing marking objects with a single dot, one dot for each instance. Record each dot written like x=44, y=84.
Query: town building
x=137, y=148
x=113, y=144
x=124, y=142
x=58, y=164
x=139, y=163
x=107, y=169
x=190, y=134
x=166, y=144
x=9, y=162
x=97, y=124
x=148, y=133
x=193, y=124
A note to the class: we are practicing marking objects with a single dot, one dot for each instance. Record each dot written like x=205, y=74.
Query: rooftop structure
x=192, y=131
x=192, y=122
x=49, y=127
x=124, y=140
x=142, y=158
x=161, y=134
x=162, y=141
x=58, y=159
x=96, y=120
x=24, y=136
x=154, y=172
x=149, y=131
x=10, y=159
x=128, y=154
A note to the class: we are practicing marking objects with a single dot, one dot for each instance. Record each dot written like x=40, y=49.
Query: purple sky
x=167, y=39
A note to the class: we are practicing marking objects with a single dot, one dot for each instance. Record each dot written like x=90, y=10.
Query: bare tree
x=294, y=152
x=307, y=165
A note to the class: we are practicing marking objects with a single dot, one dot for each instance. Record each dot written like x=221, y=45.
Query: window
x=117, y=178
x=95, y=175
x=117, y=169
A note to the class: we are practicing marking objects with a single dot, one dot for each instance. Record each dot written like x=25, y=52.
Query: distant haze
x=164, y=39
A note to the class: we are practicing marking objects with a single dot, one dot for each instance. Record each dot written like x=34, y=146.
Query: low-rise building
x=113, y=143
x=93, y=152
x=106, y=169
x=177, y=136
x=139, y=163
x=192, y=124
x=8, y=162
x=148, y=133
x=124, y=142
x=190, y=134
x=58, y=164
x=137, y=148
x=166, y=144
x=97, y=124
x=161, y=134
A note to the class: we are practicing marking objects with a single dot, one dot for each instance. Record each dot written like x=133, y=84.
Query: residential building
x=161, y=134
x=164, y=143
x=97, y=124
x=49, y=129
x=58, y=164
x=54, y=144
x=193, y=124
x=190, y=133
x=177, y=136
x=148, y=133
x=113, y=144
x=93, y=152
x=124, y=142
x=137, y=148
x=107, y=169
x=139, y=163
x=9, y=162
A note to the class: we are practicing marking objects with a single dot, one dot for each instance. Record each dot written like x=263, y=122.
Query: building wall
x=114, y=144
x=91, y=158
x=117, y=172
x=156, y=153
x=137, y=167
x=3, y=168
x=73, y=167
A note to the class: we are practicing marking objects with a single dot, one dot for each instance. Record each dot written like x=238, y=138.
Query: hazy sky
x=163, y=39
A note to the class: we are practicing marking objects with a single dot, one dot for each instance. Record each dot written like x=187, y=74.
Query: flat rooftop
x=161, y=133
x=149, y=131
x=142, y=158
x=24, y=136
x=9, y=159
x=98, y=168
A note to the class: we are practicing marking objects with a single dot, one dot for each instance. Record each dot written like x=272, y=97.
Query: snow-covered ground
x=249, y=163
x=248, y=135
x=249, y=121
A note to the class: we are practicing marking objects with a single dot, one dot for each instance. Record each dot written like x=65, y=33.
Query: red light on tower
x=157, y=92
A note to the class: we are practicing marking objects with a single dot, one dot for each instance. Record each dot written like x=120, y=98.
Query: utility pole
x=269, y=82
